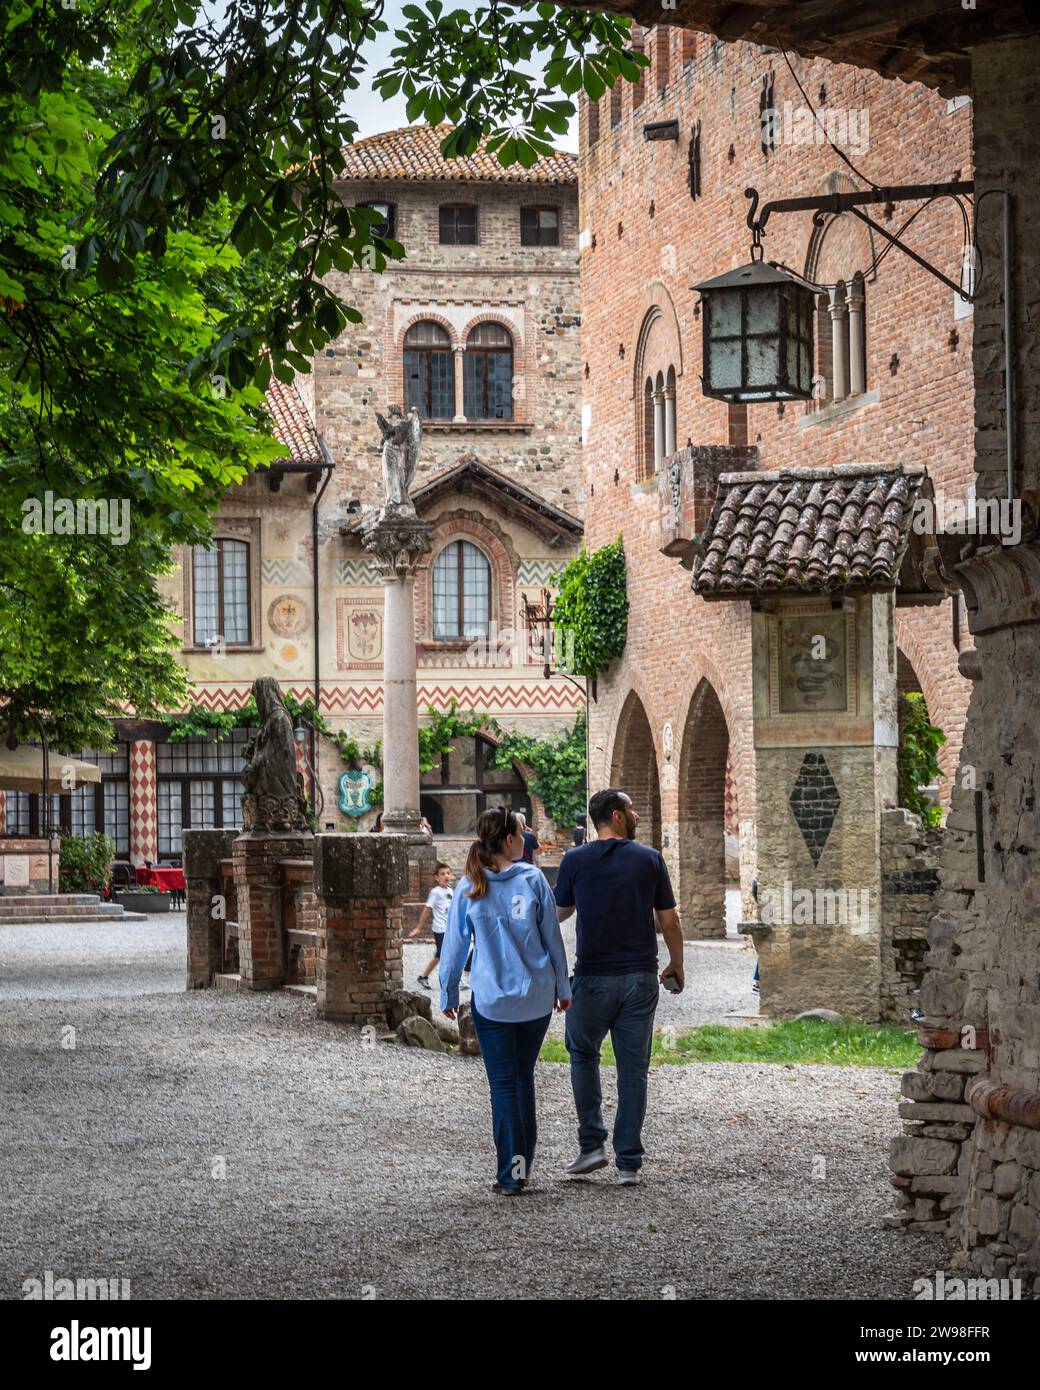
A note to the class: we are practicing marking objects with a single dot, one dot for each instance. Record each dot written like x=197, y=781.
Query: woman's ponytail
x=493, y=829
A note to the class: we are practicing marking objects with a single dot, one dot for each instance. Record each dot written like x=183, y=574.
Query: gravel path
x=346, y=1171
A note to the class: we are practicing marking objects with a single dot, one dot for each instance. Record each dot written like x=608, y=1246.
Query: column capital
x=398, y=540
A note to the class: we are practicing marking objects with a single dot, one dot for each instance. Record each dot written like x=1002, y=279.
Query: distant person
x=579, y=833
x=519, y=974
x=531, y=845
x=617, y=886
x=435, y=913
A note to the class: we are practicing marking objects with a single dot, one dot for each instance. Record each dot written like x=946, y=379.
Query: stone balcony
x=687, y=484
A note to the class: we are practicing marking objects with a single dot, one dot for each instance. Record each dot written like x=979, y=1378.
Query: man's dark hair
x=604, y=804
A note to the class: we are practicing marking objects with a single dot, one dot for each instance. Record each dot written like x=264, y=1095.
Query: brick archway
x=702, y=816
x=633, y=768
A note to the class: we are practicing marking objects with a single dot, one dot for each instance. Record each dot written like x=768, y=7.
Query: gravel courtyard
x=222, y=1145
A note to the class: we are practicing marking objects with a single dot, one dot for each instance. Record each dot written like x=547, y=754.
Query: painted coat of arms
x=355, y=792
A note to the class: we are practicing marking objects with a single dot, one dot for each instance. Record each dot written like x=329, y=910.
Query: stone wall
x=980, y=986
x=28, y=866
x=909, y=881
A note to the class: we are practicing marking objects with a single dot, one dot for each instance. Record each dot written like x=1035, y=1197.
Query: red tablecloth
x=168, y=880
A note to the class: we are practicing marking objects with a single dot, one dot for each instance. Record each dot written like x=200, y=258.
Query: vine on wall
x=919, y=744
x=592, y=610
x=559, y=769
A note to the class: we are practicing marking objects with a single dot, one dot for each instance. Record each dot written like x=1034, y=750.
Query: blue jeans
x=623, y=1006
x=510, y=1052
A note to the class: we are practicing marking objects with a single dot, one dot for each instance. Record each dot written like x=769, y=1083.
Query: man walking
x=617, y=886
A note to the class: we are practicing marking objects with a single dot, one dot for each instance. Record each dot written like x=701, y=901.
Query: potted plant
x=144, y=898
x=85, y=863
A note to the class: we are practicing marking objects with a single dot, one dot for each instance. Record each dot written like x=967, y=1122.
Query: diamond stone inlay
x=814, y=803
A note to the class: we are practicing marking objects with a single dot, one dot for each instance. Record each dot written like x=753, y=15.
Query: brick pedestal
x=359, y=883
x=422, y=856
x=258, y=886
x=203, y=852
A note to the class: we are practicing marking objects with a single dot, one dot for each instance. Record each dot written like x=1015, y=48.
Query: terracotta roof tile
x=414, y=153
x=807, y=530
x=293, y=426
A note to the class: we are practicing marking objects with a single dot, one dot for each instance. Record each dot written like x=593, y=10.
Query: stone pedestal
x=825, y=763
x=203, y=852
x=399, y=539
x=261, y=948
x=359, y=882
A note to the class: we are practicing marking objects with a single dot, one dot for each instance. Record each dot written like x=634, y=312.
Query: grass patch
x=842, y=1044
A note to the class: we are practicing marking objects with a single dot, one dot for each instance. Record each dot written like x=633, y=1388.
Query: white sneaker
x=627, y=1178
x=587, y=1163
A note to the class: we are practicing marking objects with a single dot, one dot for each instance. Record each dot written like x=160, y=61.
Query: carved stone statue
x=274, y=798
x=402, y=436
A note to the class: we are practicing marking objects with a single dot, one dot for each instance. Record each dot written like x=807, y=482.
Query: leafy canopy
x=170, y=236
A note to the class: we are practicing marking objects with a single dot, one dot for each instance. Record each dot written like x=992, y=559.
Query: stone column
x=659, y=418
x=359, y=883
x=459, y=363
x=669, y=419
x=857, y=366
x=839, y=341
x=399, y=539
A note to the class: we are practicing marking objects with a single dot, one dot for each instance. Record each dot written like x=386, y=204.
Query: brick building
x=663, y=169
x=479, y=328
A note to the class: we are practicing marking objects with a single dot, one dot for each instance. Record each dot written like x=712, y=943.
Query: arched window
x=221, y=593
x=488, y=373
x=461, y=592
x=467, y=782
x=429, y=371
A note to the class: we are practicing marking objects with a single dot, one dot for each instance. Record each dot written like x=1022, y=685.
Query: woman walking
x=519, y=973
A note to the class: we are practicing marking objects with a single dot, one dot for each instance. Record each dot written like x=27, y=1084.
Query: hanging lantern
x=758, y=335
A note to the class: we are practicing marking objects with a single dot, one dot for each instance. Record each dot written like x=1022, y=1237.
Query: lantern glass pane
x=805, y=375
x=725, y=314
x=763, y=361
x=725, y=364
x=792, y=362
x=763, y=312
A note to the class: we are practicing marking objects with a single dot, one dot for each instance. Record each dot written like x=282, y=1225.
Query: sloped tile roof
x=808, y=531
x=414, y=153
x=293, y=425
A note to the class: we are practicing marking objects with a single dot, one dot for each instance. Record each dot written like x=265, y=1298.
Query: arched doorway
x=467, y=782
x=702, y=816
x=633, y=769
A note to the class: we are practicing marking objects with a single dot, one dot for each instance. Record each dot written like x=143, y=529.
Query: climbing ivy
x=205, y=723
x=919, y=744
x=592, y=610
x=436, y=737
x=559, y=769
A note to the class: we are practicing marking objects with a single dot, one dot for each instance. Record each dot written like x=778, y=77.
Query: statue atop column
x=402, y=438
x=274, y=799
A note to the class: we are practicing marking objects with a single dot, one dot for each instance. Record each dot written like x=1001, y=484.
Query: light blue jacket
x=519, y=961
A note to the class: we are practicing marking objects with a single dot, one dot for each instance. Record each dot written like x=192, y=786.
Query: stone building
x=663, y=168
x=478, y=327
x=969, y=1160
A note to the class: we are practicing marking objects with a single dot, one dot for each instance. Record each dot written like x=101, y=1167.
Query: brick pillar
x=359, y=881
x=203, y=851
x=258, y=886
x=144, y=826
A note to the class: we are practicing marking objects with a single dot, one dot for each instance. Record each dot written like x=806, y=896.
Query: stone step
x=48, y=899
x=39, y=919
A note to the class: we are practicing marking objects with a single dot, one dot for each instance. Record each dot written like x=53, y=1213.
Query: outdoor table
x=168, y=880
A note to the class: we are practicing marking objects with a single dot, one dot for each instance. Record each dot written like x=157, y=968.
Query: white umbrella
x=22, y=771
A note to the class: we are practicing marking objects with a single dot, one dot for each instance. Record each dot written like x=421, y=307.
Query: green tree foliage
x=168, y=218
x=592, y=610
x=559, y=769
x=919, y=744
